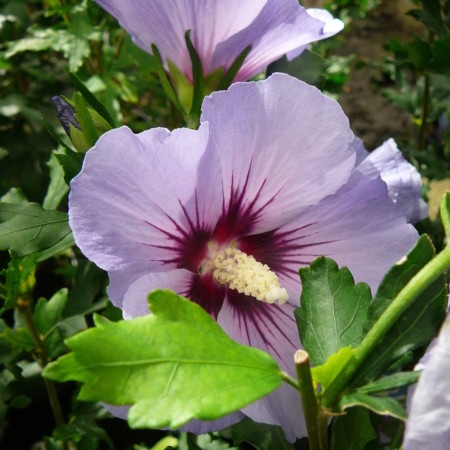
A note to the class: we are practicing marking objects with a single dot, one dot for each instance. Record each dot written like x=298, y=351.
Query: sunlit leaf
x=333, y=309
x=172, y=366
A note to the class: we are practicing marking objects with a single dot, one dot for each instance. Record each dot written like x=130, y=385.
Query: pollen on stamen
x=241, y=272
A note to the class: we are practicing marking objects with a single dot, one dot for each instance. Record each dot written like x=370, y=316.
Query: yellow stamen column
x=241, y=272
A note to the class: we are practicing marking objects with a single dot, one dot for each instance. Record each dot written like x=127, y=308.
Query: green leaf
x=260, y=435
x=92, y=99
x=385, y=406
x=398, y=276
x=394, y=381
x=445, y=215
x=183, y=87
x=327, y=372
x=417, y=325
x=70, y=162
x=57, y=188
x=164, y=79
x=14, y=195
x=27, y=229
x=19, y=280
x=333, y=309
x=89, y=281
x=173, y=365
x=84, y=119
x=353, y=430
x=48, y=313
x=198, y=78
x=234, y=69
x=19, y=338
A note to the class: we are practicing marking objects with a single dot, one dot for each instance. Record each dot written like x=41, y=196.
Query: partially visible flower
x=428, y=424
x=221, y=30
x=403, y=181
x=225, y=215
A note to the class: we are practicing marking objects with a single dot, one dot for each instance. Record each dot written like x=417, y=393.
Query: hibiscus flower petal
x=133, y=206
x=428, y=425
x=283, y=26
x=283, y=146
x=402, y=178
x=359, y=227
x=165, y=23
x=271, y=328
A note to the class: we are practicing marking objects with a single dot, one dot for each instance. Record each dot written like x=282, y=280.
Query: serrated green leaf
x=28, y=228
x=353, y=430
x=172, y=366
x=398, y=276
x=260, y=435
x=48, y=313
x=385, y=406
x=394, y=381
x=58, y=188
x=327, y=372
x=333, y=309
x=445, y=215
x=417, y=325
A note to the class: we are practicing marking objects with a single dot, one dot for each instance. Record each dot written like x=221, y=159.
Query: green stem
x=316, y=421
x=424, y=112
x=24, y=308
x=406, y=296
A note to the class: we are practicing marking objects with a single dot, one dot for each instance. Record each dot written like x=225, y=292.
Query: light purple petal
x=282, y=144
x=428, y=425
x=135, y=302
x=138, y=195
x=331, y=27
x=359, y=227
x=403, y=180
x=271, y=328
x=283, y=26
x=164, y=23
x=194, y=426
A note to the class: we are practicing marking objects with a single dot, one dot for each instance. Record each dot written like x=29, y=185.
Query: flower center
x=231, y=266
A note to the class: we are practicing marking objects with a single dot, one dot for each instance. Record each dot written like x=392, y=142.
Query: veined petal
x=271, y=328
x=194, y=426
x=135, y=301
x=283, y=147
x=428, y=425
x=359, y=227
x=402, y=178
x=283, y=26
x=140, y=198
x=164, y=23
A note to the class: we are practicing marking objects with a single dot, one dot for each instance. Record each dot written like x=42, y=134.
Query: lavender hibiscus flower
x=225, y=215
x=221, y=30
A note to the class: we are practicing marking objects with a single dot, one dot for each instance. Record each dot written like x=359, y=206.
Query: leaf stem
x=405, y=297
x=24, y=308
x=316, y=420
